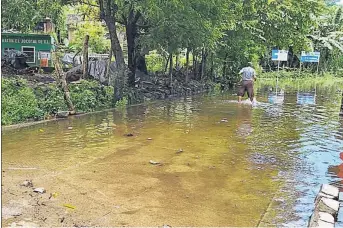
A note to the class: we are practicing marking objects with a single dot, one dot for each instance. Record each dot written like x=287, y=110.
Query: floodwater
x=221, y=163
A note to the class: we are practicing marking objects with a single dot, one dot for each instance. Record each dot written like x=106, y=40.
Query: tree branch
x=137, y=16
x=124, y=21
x=144, y=26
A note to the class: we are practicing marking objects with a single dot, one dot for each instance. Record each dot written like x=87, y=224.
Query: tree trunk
x=85, y=58
x=212, y=67
x=141, y=64
x=202, y=64
x=166, y=66
x=61, y=78
x=171, y=69
x=195, y=71
x=177, y=61
x=131, y=32
x=341, y=112
x=225, y=66
x=134, y=56
x=108, y=10
x=187, y=65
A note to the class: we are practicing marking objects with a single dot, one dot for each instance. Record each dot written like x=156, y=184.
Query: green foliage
x=89, y=96
x=305, y=80
x=50, y=99
x=122, y=103
x=327, y=38
x=97, y=41
x=18, y=102
x=43, y=101
x=23, y=15
x=296, y=75
x=155, y=62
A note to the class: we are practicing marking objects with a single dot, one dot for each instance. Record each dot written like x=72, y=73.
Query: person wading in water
x=248, y=78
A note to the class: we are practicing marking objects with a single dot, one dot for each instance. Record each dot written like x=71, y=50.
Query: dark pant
x=247, y=86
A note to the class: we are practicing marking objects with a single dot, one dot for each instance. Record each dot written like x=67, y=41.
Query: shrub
x=89, y=96
x=18, y=102
x=50, y=99
x=21, y=102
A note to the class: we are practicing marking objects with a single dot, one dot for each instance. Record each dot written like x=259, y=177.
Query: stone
x=325, y=217
x=62, y=114
x=330, y=190
x=70, y=128
x=39, y=190
x=129, y=135
x=149, y=138
x=320, y=196
x=180, y=151
x=327, y=205
x=320, y=219
x=27, y=183
x=154, y=162
x=323, y=224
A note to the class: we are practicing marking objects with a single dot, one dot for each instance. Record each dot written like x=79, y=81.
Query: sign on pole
x=310, y=57
x=279, y=55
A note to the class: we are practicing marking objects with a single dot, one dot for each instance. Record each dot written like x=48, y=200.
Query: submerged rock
x=62, y=114
x=39, y=190
x=154, y=162
x=180, y=151
x=27, y=183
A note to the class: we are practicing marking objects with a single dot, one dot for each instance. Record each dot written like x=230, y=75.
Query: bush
x=21, y=102
x=18, y=102
x=89, y=96
x=155, y=62
x=50, y=99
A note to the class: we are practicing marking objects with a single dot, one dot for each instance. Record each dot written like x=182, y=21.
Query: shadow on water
x=238, y=166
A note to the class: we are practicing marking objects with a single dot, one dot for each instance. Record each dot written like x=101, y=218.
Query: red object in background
x=340, y=171
x=341, y=156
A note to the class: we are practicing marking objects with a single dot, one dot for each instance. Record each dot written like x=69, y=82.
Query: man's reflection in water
x=244, y=127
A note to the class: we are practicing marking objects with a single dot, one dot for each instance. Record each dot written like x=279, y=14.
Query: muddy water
x=239, y=166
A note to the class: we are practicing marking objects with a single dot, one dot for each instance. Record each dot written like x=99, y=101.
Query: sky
x=341, y=2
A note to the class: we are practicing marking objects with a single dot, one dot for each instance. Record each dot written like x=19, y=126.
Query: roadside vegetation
x=175, y=44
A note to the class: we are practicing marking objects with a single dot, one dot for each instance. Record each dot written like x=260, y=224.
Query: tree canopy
x=221, y=34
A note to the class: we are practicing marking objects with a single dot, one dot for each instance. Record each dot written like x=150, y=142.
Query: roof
x=26, y=34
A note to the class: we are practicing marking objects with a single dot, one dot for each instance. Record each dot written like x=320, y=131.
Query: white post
x=278, y=71
x=318, y=67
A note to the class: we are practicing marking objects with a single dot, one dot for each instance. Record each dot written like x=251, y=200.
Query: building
x=38, y=47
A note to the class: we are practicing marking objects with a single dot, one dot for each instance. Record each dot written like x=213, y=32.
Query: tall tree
x=108, y=12
x=23, y=15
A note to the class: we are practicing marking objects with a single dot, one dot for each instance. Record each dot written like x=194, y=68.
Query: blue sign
x=279, y=55
x=306, y=98
x=310, y=57
x=275, y=55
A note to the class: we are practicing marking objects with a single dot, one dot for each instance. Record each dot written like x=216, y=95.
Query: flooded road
x=220, y=163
